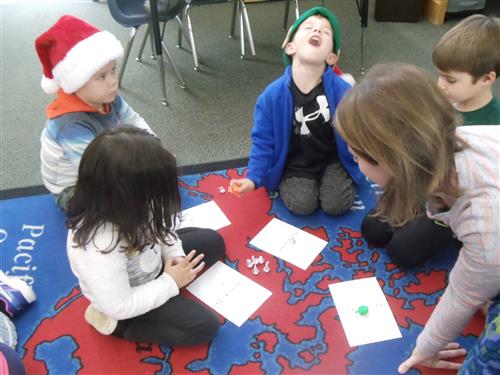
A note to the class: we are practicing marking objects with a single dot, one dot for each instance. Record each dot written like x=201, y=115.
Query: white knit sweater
x=122, y=286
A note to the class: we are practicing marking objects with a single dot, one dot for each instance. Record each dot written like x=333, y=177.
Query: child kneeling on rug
x=123, y=249
x=468, y=61
x=294, y=145
x=402, y=129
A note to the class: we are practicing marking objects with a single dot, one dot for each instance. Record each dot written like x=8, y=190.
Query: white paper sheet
x=205, y=215
x=377, y=325
x=289, y=243
x=234, y=296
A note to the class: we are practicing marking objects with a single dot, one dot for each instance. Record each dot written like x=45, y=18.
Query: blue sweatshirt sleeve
x=263, y=142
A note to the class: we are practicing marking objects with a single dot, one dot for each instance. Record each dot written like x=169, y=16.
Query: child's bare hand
x=441, y=360
x=177, y=260
x=241, y=186
x=184, y=270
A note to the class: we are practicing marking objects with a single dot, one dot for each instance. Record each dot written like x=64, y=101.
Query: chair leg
x=233, y=18
x=287, y=10
x=152, y=43
x=162, y=80
x=180, y=19
x=182, y=31
x=191, y=36
x=177, y=73
x=242, y=32
x=246, y=22
x=143, y=43
x=362, y=60
x=240, y=9
x=127, y=53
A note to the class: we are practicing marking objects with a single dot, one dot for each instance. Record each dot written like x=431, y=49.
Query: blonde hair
x=471, y=46
x=398, y=117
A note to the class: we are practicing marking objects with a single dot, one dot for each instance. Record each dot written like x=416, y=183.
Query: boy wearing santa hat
x=79, y=66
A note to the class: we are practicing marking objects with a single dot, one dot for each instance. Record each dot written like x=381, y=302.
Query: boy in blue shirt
x=79, y=63
x=295, y=147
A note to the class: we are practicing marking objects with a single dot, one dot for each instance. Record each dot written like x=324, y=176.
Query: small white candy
x=249, y=263
x=266, y=267
x=255, y=270
x=221, y=189
x=260, y=259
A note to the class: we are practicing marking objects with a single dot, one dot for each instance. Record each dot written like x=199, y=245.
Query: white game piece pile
x=266, y=267
x=254, y=262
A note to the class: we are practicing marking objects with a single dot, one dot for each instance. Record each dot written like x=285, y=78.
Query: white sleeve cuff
x=173, y=289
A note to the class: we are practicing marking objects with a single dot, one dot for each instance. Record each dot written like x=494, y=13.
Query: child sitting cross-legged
x=122, y=246
x=468, y=61
x=79, y=66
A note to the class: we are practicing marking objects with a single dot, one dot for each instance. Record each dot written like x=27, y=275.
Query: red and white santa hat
x=72, y=51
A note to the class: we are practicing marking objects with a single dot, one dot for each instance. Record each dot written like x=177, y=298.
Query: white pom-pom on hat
x=49, y=86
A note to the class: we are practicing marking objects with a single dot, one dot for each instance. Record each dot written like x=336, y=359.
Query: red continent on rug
x=297, y=330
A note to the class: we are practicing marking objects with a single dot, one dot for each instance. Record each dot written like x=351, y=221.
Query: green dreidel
x=362, y=310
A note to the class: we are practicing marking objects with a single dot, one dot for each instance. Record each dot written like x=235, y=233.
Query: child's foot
x=8, y=334
x=15, y=294
x=100, y=321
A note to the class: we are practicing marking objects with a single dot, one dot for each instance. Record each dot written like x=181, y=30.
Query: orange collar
x=68, y=103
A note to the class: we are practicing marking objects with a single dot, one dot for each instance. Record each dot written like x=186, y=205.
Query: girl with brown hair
x=122, y=246
x=403, y=132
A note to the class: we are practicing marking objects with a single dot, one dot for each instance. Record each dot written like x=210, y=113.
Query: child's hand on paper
x=177, y=260
x=184, y=270
x=241, y=186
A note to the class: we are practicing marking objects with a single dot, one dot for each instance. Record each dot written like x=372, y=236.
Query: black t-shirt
x=313, y=144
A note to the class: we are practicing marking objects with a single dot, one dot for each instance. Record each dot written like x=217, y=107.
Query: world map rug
x=297, y=330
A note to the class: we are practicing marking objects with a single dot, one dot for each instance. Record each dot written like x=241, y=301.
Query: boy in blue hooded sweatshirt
x=295, y=147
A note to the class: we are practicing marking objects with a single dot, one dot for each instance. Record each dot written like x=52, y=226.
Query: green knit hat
x=311, y=12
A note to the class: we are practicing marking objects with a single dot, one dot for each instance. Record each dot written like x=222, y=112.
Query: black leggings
x=412, y=244
x=179, y=321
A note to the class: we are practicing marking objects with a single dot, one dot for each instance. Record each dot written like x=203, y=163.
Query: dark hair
x=471, y=46
x=127, y=179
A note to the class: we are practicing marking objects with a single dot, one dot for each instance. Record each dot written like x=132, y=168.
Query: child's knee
x=208, y=329
x=375, y=231
x=337, y=190
x=215, y=247
x=300, y=195
x=302, y=206
x=219, y=245
x=337, y=203
x=404, y=255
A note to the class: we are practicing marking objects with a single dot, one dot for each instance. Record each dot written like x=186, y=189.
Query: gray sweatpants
x=334, y=191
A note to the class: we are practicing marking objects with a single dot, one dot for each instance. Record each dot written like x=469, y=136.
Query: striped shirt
x=67, y=135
